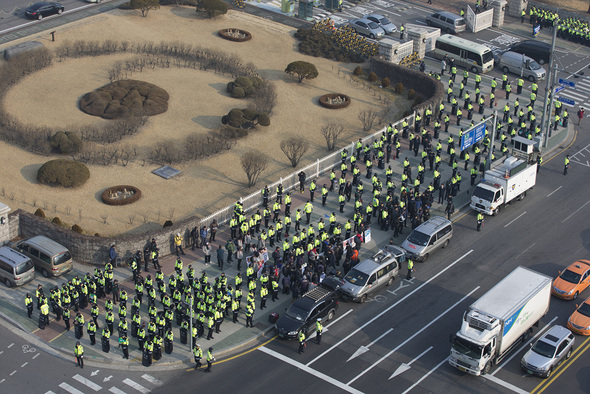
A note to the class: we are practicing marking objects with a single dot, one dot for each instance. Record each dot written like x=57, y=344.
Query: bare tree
x=331, y=131
x=253, y=164
x=294, y=148
x=367, y=117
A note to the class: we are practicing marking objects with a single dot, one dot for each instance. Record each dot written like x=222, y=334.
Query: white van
x=520, y=64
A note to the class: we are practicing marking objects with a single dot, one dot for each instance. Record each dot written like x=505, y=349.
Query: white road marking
x=426, y=375
x=151, y=379
x=11, y=345
x=136, y=386
x=309, y=370
x=404, y=367
x=36, y=355
x=70, y=389
x=387, y=310
x=513, y=220
x=506, y=385
x=550, y=194
x=22, y=366
x=364, y=349
x=49, y=392
x=1, y=351
x=328, y=325
x=13, y=372
x=94, y=373
x=115, y=390
x=87, y=382
x=524, y=251
x=413, y=336
x=524, y=346
x=576, y=211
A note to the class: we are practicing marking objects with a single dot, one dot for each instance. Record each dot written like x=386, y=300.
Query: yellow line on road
x=567, y=147
x=546, y=383
x=241, y=354
x=54, y=338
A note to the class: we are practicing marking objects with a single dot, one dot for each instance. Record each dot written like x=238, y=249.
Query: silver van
x=447, y=22
x=51, y=258
x=520, y=64
x=369, y=275
x=426, y=238
x=16, y=269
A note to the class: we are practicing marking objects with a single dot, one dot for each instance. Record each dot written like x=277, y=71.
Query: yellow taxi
x=579, y=321
x=571, y=282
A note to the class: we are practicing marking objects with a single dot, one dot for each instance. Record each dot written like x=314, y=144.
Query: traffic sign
x=473, y=135
x=559, y=89
x=566, y=101
x=567, y=83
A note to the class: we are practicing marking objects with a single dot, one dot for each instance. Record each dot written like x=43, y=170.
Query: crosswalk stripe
x=115, y=390
x=70, y=389
x=87, y=382
x=151, y=379
x=572, y=94
x=136, y=386
x=49, y=392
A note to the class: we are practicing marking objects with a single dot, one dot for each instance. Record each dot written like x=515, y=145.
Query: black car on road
x=319, y=302
x=43, y=9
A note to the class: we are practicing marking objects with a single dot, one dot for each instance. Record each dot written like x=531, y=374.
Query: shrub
x=333, y=45
x=245, y=119
x=245, y=86
x=399, y=88
x=77, y=229
x=303, y=70
x=238, y=92
x=66, y=143
x=263, y=119
x=411, y=94
x=63, y=173
x=372, y=77
x=212, y=8
x=96, y=234
x=167, y=223
x=41, y=213
x=56, y=220
x=358, y=71
x=385, y=82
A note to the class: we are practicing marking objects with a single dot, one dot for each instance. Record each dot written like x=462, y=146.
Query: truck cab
x=487, y=198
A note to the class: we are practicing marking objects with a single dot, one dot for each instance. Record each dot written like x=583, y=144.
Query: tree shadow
x=29, y=172
x=185, y=12
x=208, y=121
x=221, y=88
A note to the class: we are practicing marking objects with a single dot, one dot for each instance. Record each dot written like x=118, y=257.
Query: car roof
x=367, y=266
x=433, y=224
x=556, y=334
x=448, y=14
x=579, y=267
x=362, y=20
x=378, y=16
x=534, y=43
x=305, y=303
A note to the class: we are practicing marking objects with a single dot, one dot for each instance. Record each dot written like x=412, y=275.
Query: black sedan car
x=40, y=10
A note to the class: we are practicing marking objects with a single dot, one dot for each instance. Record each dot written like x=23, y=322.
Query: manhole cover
x=167, y=172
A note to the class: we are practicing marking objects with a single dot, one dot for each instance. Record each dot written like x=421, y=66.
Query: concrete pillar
x=419, y=40
x=4, y=228
x=515, y=7
x=499, y=7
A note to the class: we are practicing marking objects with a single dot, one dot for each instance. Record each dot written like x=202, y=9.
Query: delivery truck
x=507, y=179
x=500, y=320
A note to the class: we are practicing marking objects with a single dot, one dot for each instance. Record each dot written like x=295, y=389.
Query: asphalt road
x=405, y=329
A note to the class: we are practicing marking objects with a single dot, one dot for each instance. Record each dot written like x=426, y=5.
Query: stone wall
x=431, y=90
x=95, y=250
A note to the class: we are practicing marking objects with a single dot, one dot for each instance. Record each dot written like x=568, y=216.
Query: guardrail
x=313, y=170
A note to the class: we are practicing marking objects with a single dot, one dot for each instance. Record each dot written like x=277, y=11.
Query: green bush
x=263, y=119
x=41, y=213
x=56, y=220
x=358, y=71
x=245, y=119
x=399, y=88
x=372, y=77
x=77, y=229
x=63, y=173
x=167, y=223
x=238, y=92
x=330, y=46
x=66, y=143
x=411, y=94
x=250, y=114
x=212, y=8
x=385, y=82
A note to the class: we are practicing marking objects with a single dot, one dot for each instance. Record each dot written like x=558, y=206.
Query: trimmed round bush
x=66, y=143
x=399, y=88
x=56, y=220
x=40, y=213
x=77, y=229
x=167, y=223
x=372, y=77
x=63, y=173
x=124, y=99
x=263, y=119
x=385, y=82
x=358, y=71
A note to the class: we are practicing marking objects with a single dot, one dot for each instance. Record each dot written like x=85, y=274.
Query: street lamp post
x=549, y=94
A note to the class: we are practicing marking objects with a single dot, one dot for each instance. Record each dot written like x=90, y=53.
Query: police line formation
x=286, y=250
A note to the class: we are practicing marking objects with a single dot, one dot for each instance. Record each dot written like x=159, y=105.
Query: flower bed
x=334, y=100
x=121, y=195
x=236, y=35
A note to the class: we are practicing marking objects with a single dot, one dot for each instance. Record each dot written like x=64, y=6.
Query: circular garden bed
x=334, y=100
x=236, y=35
x=121, y=195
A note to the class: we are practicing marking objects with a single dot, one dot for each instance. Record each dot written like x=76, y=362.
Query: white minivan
x=520, y=64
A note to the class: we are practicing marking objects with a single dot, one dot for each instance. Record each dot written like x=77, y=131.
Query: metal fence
x=313, y=170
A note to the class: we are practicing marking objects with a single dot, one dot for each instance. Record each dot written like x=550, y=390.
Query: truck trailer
x=508, y=178
x=500, y=320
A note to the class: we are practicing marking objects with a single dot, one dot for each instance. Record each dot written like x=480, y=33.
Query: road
x=403, y=334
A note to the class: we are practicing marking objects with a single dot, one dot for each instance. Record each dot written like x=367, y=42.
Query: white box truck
x=508, y=178
x=500, y=320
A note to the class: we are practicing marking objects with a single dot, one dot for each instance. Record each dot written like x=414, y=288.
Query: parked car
x=520, y=64
x=447, y=22
x=16, y=269
x=50, y=258
x=428, y=237
x=572, y=281
x=366, y=27
x=383, y=22
x=579, y=321
x=320, y=302
x=43, y=9
x=538, y=50
x=370, y=275
x=548, y=352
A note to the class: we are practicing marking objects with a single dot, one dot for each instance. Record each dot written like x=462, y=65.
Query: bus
x=476, y=57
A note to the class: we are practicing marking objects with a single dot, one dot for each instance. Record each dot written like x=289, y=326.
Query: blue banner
x=473, y=135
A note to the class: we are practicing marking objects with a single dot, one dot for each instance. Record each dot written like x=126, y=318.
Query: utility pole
x=549, y=94
x=489, y=161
